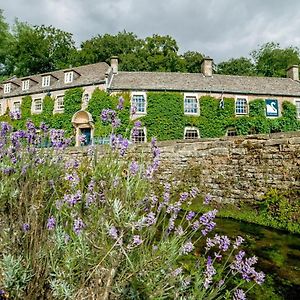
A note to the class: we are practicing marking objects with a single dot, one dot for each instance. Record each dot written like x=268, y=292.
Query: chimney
x=207, y=66
x=114, y=64
x=293, y=72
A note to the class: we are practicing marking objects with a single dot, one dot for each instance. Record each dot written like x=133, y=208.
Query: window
x=25, y=85
x=231, y=131
x=37, y=105
x=138, y=103
x=7, y=88
x=46, y=81
x=241, y=106
x=86, y=99
x=191, y=105
x=17, y=106
x=297, y=103
x=68, y=77
x=138, y=135
x=60, y=103
x=191, y=133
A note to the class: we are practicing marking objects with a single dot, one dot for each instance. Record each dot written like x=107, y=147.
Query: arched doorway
x=84, y=126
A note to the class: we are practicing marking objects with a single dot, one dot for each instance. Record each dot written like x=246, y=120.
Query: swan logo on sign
x=272, y=108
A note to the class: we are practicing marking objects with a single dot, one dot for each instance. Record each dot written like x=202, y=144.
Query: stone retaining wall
x=231, y=169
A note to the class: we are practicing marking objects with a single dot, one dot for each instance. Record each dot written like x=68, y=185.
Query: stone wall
x=231, y=169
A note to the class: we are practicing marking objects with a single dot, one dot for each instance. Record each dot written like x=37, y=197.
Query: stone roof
x=197, y=82
x=84, y=75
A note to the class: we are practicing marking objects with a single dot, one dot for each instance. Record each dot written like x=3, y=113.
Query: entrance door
x=87, y=133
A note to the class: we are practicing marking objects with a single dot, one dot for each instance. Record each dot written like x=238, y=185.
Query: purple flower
x=25, y=227
x=239, y=240
x=239, y=295
x=120, y=105
x=134, y=168
x=51, y=223
x=190, y=215
x=207, y=199
x=209, y=273
x=176, y=272
x=78, y=226
x=187, y=248
x=133, y=109
x=137, y=240
x=113, y=232
x=72, y=199
x=194, y=191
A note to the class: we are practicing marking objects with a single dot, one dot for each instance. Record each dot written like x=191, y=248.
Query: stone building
x=192, y=85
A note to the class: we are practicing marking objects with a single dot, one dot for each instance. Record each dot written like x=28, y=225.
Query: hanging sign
x=272, y=109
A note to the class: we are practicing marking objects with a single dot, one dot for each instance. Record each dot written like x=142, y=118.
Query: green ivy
x=165, y=118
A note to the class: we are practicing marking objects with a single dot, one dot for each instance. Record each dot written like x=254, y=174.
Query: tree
x=5, y=40
x=39, y=49
x=271, y=60
x=192, y=61
x=236, y=66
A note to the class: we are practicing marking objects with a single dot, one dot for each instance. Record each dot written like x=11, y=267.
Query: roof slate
x=89, y=75
x=197, y=82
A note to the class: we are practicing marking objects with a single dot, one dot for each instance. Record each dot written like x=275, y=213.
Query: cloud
x=219, y=28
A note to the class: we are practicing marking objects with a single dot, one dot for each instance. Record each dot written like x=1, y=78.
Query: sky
x=221, y=29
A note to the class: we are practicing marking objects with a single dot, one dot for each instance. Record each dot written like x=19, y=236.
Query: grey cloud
x=219, y=28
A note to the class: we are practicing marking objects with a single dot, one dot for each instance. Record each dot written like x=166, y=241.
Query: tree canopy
x=27, y=49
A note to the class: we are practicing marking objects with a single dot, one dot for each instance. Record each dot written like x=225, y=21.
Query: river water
x=278, y=253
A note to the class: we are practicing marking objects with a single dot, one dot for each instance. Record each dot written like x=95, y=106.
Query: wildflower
x=239, y=295
x=78, y=226
x=190, y=215
x=179, y=231
x=134, y=168
x=187, y=248
x=121, y=103
x=25, y=227
x=133, y=110
x=82, y=139
x=209, y=273
x=176, y=272
x=137, y=240
x=207, y=199
x=184, y=196
x=113, y=232
x=194, y=191
x=51, y=223
x=239, y=240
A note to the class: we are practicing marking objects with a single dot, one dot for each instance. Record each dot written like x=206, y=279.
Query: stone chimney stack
x=114, y=61
x=293, y=72
x=207, y=66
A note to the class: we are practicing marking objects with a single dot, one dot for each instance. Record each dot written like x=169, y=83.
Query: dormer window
x=69, y=77
x=46, y=81
x=7, y=88
x=25, y=85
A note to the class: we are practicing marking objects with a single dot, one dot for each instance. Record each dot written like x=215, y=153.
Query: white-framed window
x=241, y=105
x=297, y=103
x=59, y=103
x=25, y=85
x=139, y=135
x=231, y=131
x=191, y=133
x=139, y=103
x=7, y=88
x=46, y=81
x=191, y=104
x=37, y=105
x=69, y=77
x=17, y=106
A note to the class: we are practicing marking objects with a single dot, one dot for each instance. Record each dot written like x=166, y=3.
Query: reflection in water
x=278, y=253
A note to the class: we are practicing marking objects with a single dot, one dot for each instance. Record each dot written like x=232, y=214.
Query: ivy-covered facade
x=169, y=105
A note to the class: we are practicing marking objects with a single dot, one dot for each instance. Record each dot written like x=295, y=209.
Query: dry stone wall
x=231, y=169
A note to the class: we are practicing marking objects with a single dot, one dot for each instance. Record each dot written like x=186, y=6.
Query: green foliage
x=271, y=60
x=165, y=119
x=236, y=66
